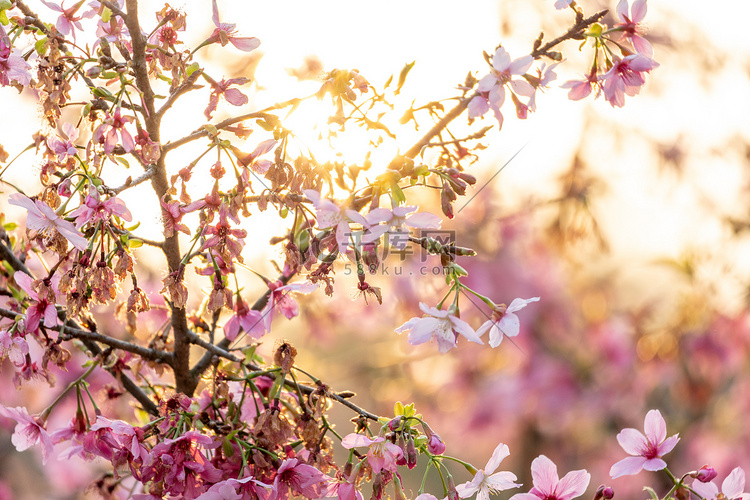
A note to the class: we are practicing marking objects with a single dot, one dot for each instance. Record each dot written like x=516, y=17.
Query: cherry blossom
x=249, y=320
x=43, y=220
x=626, y=76
x=732, y=487
x=646, y=450
x=561, y=4
x=224, y=33
x=580, y=89
x=112, y=128
x=631, y=26
x=330, y=215
x=488, y=481
x=13, y=68
x=221, y=88
x=258, y=166
x=172, y=213
x=13, y=347
x=29, y=431
x=64, y=147
x=442, y=326
x=396, y=222
x=281, y=300
x=492, y=87
x=93, y=209
x=504, y=322
x=68, y=22
x=301, y=478
x=548, y=486
x=381, y=454
x=44, y=305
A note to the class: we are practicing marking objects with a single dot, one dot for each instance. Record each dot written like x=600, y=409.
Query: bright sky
x=702, y=104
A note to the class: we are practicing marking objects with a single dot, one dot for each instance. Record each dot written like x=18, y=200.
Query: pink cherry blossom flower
x=64, y=147
x=282, y=301
x=396, y=223
x=172, y=213
x=249, y=320
x=237, y=489
x=43, y=220
x=492, y=87
x=226, y=241
x=381, y=454
x=13, y=68
x=488, y=481
x=29, y=431
x=224, y=33
x=646, y=450
x=504, y=322
x=233, y=96
x=252, y=161
x=93, y=209
x=732, y=487
x=626, y=76
x=13, y=347
x=330, y=215
x=547, y=486
x=580, y=89
x=112, y=128
x=68, y=22
x=441, y=326
x=43, y=307
x=631, y=27
x=561, y=4
x=301, y=478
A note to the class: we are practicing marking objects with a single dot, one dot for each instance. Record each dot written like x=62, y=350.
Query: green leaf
x=10, y=226
x=124, y=162
x=398, y=195
x=41, y=46
x=3, y=18
x=402, y=76
x=192, y=68
x=106, y=15
x=135, y=243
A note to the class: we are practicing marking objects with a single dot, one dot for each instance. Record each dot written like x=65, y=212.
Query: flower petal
x=627, y=467
x=632, y=441
x=544, y=474
x=655, y=427
x=573, y=484
x=501, y=451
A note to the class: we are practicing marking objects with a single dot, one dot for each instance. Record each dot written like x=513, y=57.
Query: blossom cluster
x=254, y=430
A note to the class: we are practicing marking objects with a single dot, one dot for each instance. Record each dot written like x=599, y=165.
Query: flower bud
x=395, y=423
x=452, y=492
x=704, y=474
x=604, y=493
x=435, y=445
x=411, y=454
